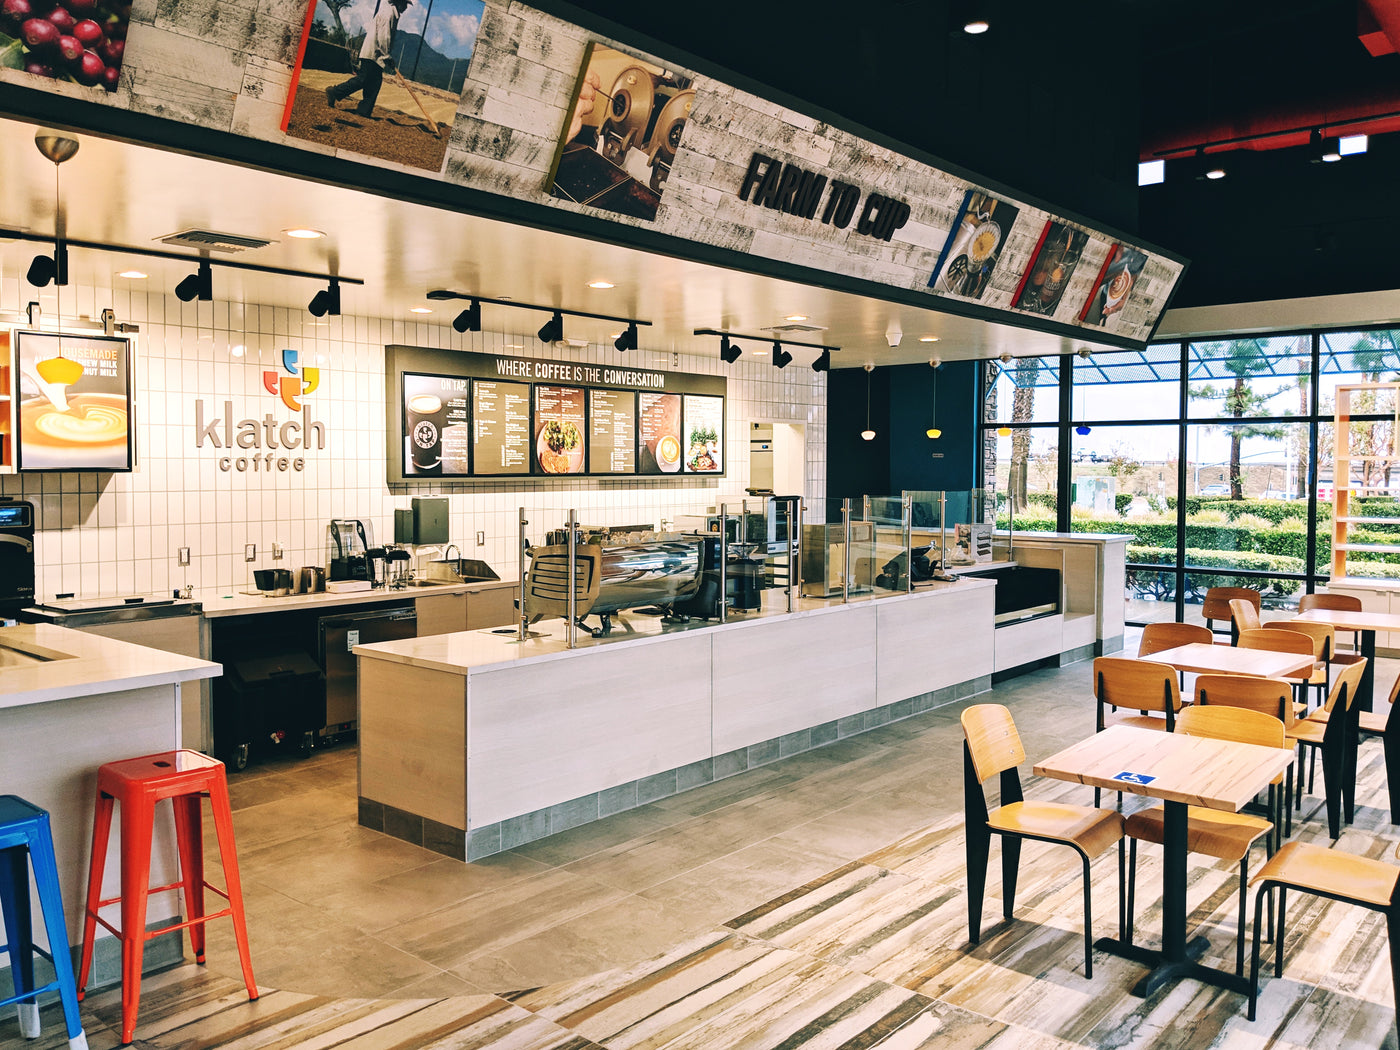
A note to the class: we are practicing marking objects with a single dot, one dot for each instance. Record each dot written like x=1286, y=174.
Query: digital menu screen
x=559, y=429
x=437, y=426
x=73, y=409
x=501, y=414
x=704, y=435
x=612, y=432
x=659, y=433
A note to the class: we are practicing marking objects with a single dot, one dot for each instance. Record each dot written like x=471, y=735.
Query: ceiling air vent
x=209, y=241
x=785, y=328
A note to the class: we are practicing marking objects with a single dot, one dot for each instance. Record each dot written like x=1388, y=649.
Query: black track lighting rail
x=763, y=339
x=154, y=253
x=1334, y=126
x=442, y=294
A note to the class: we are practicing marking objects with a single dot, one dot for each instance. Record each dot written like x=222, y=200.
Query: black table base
x=1164, y=972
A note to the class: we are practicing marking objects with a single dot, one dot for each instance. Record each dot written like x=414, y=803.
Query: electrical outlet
x=250, y=552
x=480, y=538
x=276, y=551
x=183, y=554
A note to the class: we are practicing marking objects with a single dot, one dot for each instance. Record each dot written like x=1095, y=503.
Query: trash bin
x=272, y=703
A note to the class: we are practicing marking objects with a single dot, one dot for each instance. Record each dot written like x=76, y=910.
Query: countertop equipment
x=338, y=636
x=348, y=541
x=16, y=555
x=84, y=612
x=660, y=573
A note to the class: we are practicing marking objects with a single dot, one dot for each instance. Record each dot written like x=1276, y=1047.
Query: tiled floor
x=815, y=902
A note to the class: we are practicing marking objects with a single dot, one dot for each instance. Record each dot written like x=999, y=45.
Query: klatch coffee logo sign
x=275, y=445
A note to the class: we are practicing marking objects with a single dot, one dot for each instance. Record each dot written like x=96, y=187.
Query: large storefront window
x=1218, y=457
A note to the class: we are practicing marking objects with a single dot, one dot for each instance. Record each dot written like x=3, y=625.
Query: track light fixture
x=198, y=285
x=326, y=301
x=552, y=331
x=41, y=271
x=1325, y=150
x=628, y=339
x=469, y=320
x=729, y=352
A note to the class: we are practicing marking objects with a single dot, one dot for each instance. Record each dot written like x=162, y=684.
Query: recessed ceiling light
x=1215, y=173
x=420, y=309
x=303, y=233
x=795, y=317
x=317, y=324
x=759, y=353
x=976, y=27
x=601, y=284
x=132, y=275
x=514, y=346
x=929, y=338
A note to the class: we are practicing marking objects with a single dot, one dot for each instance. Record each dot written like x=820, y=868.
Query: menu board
x=437, y=441
x=454, y=414
x=659, y=433
x=612, y=432
x=73, y=409
x=501, y=416
x=704, y=434
x=559, y=429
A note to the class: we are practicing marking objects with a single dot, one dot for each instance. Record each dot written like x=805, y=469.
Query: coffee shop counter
x=219, y=603
x=476, y=742
x=70, y=701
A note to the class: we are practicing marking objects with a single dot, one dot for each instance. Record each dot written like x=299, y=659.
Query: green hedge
x=1274, y=510
x=1141, y=579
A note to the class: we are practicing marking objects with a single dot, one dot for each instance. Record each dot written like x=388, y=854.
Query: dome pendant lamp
x=933, y=433
x=867, y=434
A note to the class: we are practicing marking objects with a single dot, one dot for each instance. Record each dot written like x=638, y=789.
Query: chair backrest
x=1278, y=641
x=1244, y=615
x=1271, y=696
x=1324, y=635
x=992, y=741
x=1232, y=723
x=1343, y=602
x=1346, y=685
x=1216, y=605
x=1138, y=685
x=1157, y=637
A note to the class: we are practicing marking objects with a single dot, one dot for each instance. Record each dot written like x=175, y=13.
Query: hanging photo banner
x=974, y=246
x=74, y=402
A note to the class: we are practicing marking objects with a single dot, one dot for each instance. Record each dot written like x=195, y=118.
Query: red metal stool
x=184, y=777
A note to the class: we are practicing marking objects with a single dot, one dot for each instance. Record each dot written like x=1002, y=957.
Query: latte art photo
x=92, y=421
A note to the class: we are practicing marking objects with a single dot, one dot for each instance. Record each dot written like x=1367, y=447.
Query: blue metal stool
x=24, y=833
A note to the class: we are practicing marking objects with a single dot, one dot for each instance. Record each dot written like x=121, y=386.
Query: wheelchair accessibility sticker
x=1134, y=778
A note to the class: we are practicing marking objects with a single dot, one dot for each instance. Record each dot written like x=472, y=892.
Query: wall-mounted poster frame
x=73, y=407
x=545, y=418
x=1052, y=265
x=974, y=245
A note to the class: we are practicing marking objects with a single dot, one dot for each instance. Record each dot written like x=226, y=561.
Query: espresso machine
x=16, y=556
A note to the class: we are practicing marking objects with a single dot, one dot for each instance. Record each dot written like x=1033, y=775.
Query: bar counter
x=476, y=742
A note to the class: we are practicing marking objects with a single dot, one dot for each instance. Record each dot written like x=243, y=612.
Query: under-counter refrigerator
x=339, y=635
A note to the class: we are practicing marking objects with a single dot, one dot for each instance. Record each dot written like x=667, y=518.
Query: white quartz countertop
x=465, y=651
x=40, y=663
x=236, y=603
x=1030, y=536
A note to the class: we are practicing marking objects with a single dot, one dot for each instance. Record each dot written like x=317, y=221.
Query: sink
x=12, y=655
x=460, y=570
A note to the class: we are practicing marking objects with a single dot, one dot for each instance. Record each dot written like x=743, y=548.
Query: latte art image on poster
x=73, y=409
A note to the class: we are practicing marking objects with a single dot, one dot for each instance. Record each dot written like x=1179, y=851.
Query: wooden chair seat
x=1092, y=830
x=1134, y=719
x=1307, y=731
x=1316, y=869
x=1372, y=722
x=1213, y=832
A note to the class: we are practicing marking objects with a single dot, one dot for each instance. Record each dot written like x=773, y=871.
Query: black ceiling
x=1058, y=100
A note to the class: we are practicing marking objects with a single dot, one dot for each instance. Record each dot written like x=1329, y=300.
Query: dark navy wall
x=856, y=468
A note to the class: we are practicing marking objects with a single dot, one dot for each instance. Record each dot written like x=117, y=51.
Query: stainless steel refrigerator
x=339, y=635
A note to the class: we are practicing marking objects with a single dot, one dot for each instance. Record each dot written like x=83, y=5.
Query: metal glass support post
x=524, y=547
x=573, y=574
x=846, y=551
x=723, y=563
x=793, y=515
x=907, y=521
x=801, y=509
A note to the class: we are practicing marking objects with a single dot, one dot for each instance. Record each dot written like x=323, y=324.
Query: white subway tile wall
x=102, y=535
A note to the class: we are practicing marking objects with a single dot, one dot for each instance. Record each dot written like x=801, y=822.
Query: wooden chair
x=1331, y=874
x=1134, y=685
x=1343, y=602
x=1280, y=640
x=1216, y=605
x=1243, y=617
x=1270, y=696
x=1226, y=836
x=1157, y=637
x=1386, y=725
x=1333, y=733
x=991, y=745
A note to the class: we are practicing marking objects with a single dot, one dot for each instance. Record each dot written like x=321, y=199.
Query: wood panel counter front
x=474, y=742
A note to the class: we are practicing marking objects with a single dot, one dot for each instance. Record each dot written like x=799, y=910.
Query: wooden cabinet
x=465, y=610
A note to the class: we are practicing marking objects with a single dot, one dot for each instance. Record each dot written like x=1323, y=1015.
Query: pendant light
x=1083, y=428
x=867, y=434
x=58, y=370
x=933, y=433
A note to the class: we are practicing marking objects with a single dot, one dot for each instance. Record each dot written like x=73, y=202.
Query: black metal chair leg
x=1088, y=922
x=1244, y=907
x=1122, y=909
x=1278, y=939
x=1254, y=955
x=1132, y=890
x=978, y=842
x=1392, y=926
x=1010, y=863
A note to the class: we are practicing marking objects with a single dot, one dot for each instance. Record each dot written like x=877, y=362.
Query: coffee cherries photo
x=78, y=40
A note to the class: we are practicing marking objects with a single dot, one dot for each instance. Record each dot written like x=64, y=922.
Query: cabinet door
x=491, y=608
x=441, y=614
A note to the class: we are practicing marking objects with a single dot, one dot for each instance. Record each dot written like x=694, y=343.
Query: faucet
x=450, y=548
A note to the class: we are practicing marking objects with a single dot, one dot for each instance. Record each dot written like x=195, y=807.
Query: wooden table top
x=1197, y=770
x=1204, y=658
x=1346, y=620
